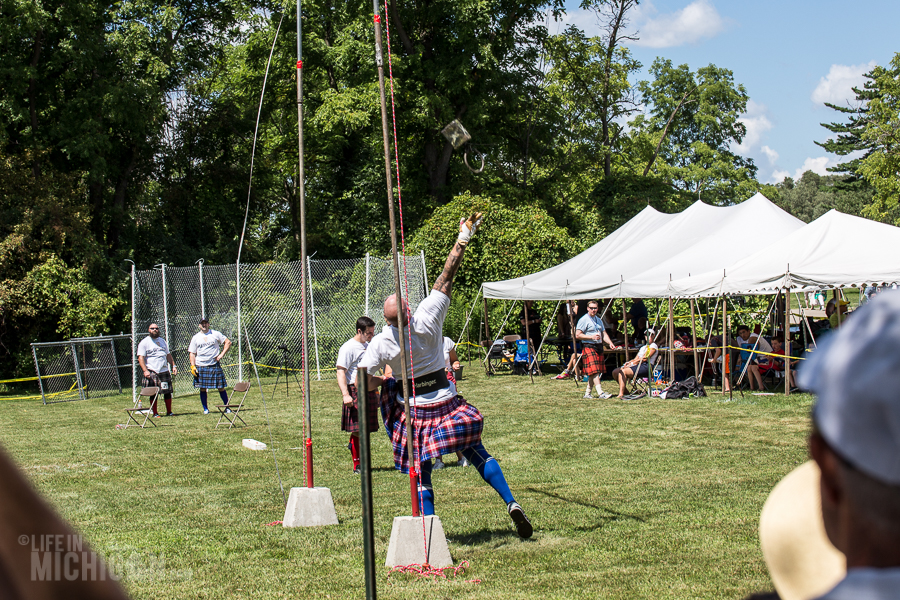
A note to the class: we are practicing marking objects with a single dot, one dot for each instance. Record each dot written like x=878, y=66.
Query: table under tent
x=752, y=248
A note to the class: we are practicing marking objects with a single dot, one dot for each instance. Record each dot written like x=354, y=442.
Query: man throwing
x=155, y=359
x=348, y=358
x=207, y=349
x=444, y=422
x=591, y=333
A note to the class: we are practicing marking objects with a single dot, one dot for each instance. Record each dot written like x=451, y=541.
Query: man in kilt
x=207, y=348
x=155, y=360
x=348, y=358
x=591, y=333
x=444, y=422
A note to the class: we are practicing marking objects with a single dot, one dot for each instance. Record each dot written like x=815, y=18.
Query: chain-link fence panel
x=271, y=310
x=84, y=368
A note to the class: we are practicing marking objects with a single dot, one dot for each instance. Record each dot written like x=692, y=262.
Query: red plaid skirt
x=440, y=429
x=450, y=375
x=593, y=361
x=350, y=414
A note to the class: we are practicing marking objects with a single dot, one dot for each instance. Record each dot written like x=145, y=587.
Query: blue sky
x=790, y=56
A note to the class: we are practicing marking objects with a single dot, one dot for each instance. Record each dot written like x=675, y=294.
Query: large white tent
x=640, y=258
x=835, y=250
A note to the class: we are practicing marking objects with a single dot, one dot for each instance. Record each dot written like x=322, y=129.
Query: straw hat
x=802, y=562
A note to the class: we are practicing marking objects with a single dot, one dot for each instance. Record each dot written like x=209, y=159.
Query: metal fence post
x=240, y=346
x=312, y=312
x=367, y=285
x=165, y=304
x=81, y=391
x=115, y=360
x=134, y=381
x=202, y=297
x=424, y=274
x=37, y=368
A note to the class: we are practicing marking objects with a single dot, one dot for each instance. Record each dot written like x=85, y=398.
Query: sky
x=791, y=57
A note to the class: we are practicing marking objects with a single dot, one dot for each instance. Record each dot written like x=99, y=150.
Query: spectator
x=349, y=355
x=205, y=356
x=855, y=441
x=592, y=333
x=836, y=319
x=155, y=360
x=750, y=360
x=639, y=366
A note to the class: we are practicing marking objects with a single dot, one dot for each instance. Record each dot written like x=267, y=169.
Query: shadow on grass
x=611, y=516
x=483, y=536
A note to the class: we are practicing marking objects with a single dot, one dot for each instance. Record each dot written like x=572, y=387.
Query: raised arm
x=467, y=227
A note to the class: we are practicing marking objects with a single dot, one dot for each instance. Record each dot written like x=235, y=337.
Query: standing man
x=444, y=422
x=592, y=334
x=205, y=356
x=637, y=316
x=155, y=359
x=348, y=358
x=531, y=325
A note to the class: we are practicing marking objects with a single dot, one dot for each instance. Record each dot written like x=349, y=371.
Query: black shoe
x=170, y=414
x=357, y=471
x=523, y=525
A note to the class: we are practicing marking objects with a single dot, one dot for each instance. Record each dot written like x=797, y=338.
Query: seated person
x=751, y=360
x=637, y=316
x=640, y=365
x=778, y=364
x=716, y=342
x=836, y=320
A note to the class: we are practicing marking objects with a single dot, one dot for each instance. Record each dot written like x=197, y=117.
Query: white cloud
x=757, y=123
x=694, y=22
x=778, y=176
x=770, y=154
x=817, y=165
x=835, y=88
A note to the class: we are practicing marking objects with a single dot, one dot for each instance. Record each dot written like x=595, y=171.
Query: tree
x=813, y=195
x=847, y=138
x=692, y=119
x=881, y=166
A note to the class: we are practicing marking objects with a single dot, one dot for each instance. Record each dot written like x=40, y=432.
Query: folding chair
x=639, y=387
x=241, y=387
x=498, y=356
x=147, y=392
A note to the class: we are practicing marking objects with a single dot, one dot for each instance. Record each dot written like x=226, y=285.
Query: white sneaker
x=587, y=396
x=205, y=411
x=464, y=462
x=605, y=395
x=438, y=464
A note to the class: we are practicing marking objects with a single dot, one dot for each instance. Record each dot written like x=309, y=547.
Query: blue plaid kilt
x=440, y=429
x=350, y=412
x=211, y=377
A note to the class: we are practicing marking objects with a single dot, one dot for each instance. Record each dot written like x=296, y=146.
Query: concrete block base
x=309, y=507
x=408, y=546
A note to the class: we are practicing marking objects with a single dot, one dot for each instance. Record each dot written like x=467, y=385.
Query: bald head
x=390, y=310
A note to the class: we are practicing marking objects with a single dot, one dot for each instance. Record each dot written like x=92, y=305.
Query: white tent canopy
x=835, y=250
x=640, y=258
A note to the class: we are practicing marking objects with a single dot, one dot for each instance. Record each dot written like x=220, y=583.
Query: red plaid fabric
x=350, y=413
x=440, y=429
x=451, y=376
x=593, y=361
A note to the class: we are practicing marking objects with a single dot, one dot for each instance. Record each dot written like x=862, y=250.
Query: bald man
x=444, y=422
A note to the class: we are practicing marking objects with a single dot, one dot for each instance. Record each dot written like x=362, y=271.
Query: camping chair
x=242, y=387
x=522, y=357
x=147, y=392
x=499, y=355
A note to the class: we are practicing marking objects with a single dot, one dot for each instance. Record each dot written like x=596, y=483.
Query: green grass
x=651, y=498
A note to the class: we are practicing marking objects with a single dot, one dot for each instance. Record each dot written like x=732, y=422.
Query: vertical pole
x=527, y=338
x=726, y=364
x=787, y=342
x=304, y=278
x=312, y=314
x=239, y=336
x=362, y=388
x=165, y=305
x=81, y=391
x=401, y=327
x=487, y=327
x=112, y=345
x=571, y=309
x=202, y=293
x=838, y=296
x=424, y=272
x=671, y=343
x=697, y=372
x=624, y=330
x=37, y=369
x=366, y=312
x=134, y=363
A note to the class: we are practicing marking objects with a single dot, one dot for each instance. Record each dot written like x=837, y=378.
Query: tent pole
x=527, y=336
x=787, y=342
x=671, y=343
x=487, y=328
x=624, y=328
x=726, y=367
x=576, y=368
x=694, y=341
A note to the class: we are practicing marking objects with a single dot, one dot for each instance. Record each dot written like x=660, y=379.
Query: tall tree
x=881, y=166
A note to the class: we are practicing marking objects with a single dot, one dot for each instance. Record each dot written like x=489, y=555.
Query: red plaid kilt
x=350, y=413
x=450, y=375
x=440, y=429
x=593, y=361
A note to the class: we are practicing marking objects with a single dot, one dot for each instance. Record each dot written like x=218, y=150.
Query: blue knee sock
x=203, y=399
x=426, y=492
x=490, y=470
x=224, y=395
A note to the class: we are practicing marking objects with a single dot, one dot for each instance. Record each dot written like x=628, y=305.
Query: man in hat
x=839, y=314
x=856, y=444
x=444, y=422
x=207, y=348
x=155, y=360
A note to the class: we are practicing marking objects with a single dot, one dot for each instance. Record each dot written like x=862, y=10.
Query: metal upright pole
x=239, y=345
x=37, y=369
x=134, y=363
x=365, y=456
x=165, y=305
x=787, y=342
x=304, y=277
x=202, y=294
x=527, y=336
x=367, y=284
x=624, y=331
x=671, y=342
x=697, y=372
x=424, y=272
x=312, y=314
x=404, y=347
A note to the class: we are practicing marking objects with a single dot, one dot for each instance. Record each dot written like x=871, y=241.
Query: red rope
x=413, y=462
x=426, y=571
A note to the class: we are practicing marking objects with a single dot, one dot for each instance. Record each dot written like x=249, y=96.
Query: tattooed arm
x=467, y=227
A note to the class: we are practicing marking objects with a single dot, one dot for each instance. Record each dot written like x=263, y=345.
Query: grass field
x=645, y=499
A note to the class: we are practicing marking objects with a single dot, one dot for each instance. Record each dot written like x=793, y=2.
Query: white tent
x=640, y=258
x=835, y=250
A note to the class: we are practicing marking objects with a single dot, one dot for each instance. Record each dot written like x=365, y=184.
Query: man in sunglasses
x=591, y=332
x=155, y=360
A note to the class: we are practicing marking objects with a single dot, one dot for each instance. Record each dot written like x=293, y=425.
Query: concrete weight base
x=409, y=546
x=309, y=507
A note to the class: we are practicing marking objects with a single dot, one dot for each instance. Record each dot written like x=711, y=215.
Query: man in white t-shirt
x=444, y=422
x=639, y=366
x=155, y=358
x=348, y=358
x=207, y=348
